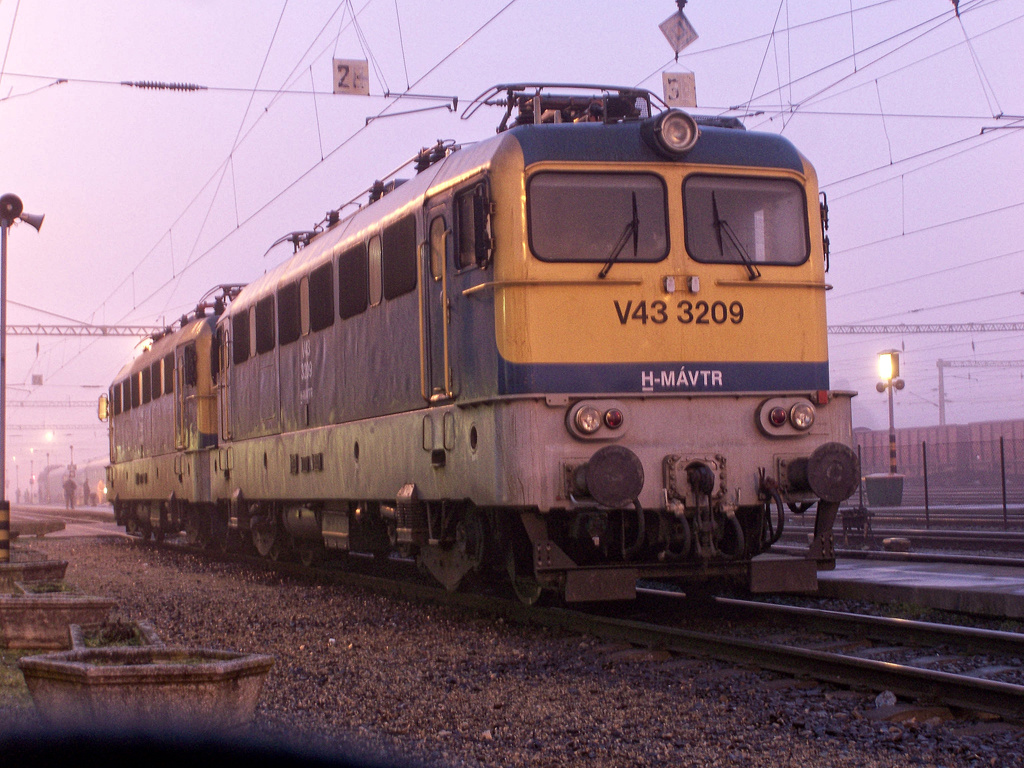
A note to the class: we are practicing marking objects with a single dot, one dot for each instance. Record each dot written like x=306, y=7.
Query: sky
x=912, y=116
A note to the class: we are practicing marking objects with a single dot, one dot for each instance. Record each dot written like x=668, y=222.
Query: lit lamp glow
x=889, y=371
x=888, y=365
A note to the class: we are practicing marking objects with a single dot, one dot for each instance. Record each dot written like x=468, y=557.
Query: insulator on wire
x=158, y=86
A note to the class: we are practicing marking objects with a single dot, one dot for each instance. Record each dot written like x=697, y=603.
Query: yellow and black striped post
x=5, y=531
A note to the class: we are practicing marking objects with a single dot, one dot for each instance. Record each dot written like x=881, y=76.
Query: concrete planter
x=28, y=566
x=884, y=490
x=156, y=687
x=92, y=636
x=42, y=621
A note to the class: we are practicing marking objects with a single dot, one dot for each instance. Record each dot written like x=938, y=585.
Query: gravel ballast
x=357, y=671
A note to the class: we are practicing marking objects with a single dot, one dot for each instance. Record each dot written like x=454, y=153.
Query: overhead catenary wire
x=238, y=221
x=256, y=213
x=10, y=38
x=986, y=84
x=935, y=22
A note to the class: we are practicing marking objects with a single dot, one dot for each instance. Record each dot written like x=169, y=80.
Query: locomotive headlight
x=588, y=420
x=671, y=133
x=777, y=416
x=801, y=416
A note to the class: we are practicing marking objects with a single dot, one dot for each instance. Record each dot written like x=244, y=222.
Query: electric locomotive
x=588, y=350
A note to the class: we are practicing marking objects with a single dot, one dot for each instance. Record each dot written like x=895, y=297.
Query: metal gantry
x=904, y=328
x=84, y=329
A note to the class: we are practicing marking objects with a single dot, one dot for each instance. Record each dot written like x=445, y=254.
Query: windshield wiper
x=721, y=225
x=633, y=225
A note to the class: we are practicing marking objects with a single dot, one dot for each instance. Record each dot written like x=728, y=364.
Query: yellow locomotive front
x=661, y=284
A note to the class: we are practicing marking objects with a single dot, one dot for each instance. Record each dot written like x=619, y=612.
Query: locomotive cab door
x=435, y=307
x=223, y=338
x=185, y=405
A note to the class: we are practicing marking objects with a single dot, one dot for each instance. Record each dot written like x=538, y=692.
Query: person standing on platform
x=70, y=487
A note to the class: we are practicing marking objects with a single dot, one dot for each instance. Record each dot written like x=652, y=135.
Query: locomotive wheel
x=265, y=538
x=524, y=586
x=470, y=538
x=311, y=554
x=220, y=535
x=160, y=531
x=194, y=534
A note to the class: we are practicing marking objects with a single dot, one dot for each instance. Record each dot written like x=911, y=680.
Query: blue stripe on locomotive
x=679, y=378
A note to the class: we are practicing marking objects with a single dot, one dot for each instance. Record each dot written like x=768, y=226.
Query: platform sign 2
x=351, y=77
x=680, y=89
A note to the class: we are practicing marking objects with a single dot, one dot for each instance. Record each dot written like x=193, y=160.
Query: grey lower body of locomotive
x=513, y=473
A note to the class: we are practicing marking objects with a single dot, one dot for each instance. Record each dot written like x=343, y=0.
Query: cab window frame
x=698, y=254
x=664, y=245
x=475, y=254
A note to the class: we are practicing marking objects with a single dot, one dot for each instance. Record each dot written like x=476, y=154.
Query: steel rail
x=885, y=628
x=1003, y=699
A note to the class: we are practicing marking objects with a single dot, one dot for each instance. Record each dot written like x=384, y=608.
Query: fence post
x=1002, y=475
x=860, y=482
x=924, y=468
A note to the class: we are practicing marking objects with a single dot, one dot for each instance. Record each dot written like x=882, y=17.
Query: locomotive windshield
x=583, y=217
x=746, y=221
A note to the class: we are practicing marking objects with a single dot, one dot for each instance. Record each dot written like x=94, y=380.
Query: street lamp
x=889, y=371
x=11, y=210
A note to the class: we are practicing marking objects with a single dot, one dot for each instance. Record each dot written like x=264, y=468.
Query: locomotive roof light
x=672, y=133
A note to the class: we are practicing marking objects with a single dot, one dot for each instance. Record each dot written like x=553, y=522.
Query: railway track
x=966, y=668
x=960, y=667
x=958, y=540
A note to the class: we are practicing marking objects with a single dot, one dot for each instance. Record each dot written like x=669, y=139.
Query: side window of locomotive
x=264, y=325
x=437, y=248
x=191, y=361
x=304, y=305
x=399, y=257
x=136, y=389
x=473, y=241
x=353, y=277
x=156, y=379
x=168, y=373
x=240, y=338
x=215, y=345
x=126, y=395
x=289, y=325
x=736, y=220
x=374, y=253
x=591, y=217
x=321, y=298
x=147, y=389
x=115, y=399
